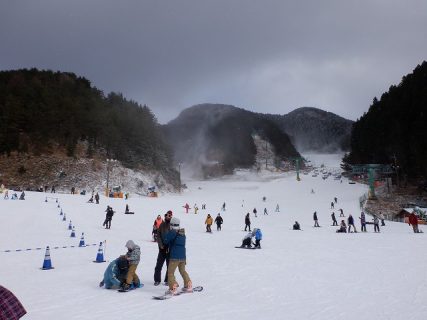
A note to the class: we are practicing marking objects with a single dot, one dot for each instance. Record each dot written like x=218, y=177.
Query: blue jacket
x=258, y=234
x=112, y=275
x=176, y=242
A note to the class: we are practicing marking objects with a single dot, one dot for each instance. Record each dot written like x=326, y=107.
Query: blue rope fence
x=57, y=247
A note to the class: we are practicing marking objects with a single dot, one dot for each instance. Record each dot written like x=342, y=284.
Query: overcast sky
x=266, y=56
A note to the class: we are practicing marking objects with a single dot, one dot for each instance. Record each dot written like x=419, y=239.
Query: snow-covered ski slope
x=310, y=274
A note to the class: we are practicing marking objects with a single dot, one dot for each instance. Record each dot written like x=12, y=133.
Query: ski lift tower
x=371, y=169
x=297, y=163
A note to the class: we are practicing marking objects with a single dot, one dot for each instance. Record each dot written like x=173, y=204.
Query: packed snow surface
x=311, y=274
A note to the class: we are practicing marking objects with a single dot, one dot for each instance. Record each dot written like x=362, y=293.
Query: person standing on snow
x=316, y=221
x=219, y=221
x=133, y=256
x=186, y=207
x=258, y=237
x=342, y=213
x=175, y=238
x=163, y=254
x=247, y=222
x=223, y=206
x=277, y=208
x=350, y=222
x=265, y=211
x=334, y=220
x=208, y=223
x=97, y=198
x=363, y=221
x=376, y=224
x=413, y=220
x=332, y=205
x=254, y=212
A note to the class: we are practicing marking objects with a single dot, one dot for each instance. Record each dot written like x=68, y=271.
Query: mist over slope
x=222, y=137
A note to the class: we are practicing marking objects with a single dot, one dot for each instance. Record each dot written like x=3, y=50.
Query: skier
x=363, y=221
x=133, y=256
x=196, y=208
x=208, y=223
x=163, y=254
x=264, y=199
x=296, y=226
x=223, y=206
x=258, y=237
x=247, y=240
x=343, y=227
x=115, y=274
x=332, y=205
x=334, y=220
x=277, y=208
x=247, y=222
x=376, y=224
x=186, y=207
x=204, y=206
x=336, y=200
x=350, y=222
x=97, y=198
x=265, y=211
x=316, y=222
x=254, y=212
x=342, y=213
x=176, y=239
x=219, y=221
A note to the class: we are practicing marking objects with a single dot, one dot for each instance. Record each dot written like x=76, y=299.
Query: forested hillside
x=393, y=131
x=41, y=111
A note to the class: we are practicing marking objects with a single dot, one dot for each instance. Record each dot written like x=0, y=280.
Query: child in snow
x=247, y=241
x=258, y=237
x=208, y=223
x=133, y=256
x=343, y=227
x=175, y=238
x=115, y=274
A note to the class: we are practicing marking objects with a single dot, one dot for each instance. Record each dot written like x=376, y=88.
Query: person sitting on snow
x=115, y=274
x=247, y=241
x=258, y=237
x=343, y=227
x=296, y=226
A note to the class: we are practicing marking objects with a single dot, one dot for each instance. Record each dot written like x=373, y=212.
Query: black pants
x=335, y=223
x=363, y=227
x=107, y=223
x=316, y=223
x=161, y=258
x=376, y=228
x=248, y=225
x=208, y=228
x=218, y=226
x=247, y=242
x=257, y=244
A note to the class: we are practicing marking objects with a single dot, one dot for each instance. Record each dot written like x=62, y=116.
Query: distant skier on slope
x=316, y=221
x=219, y=221
x=258, y=237
x=296, y=226
x=247, y=222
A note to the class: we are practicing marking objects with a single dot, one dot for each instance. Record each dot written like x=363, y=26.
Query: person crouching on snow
x=175, y=239
x=133, y=256
x=258, y=237
x=115, y=274
x=247, y=241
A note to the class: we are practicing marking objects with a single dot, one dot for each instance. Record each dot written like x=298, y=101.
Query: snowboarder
x=342, y=213
x=413, y=220
x=332, y=205
x=208, y=223
x=254, y=212
x=336, y=200
x=163, y=254
x=90, y=200
x=108, y=217
x=316, y=221
x=6, y=195
x=247, y=240
x=376, y=224
x=176, y=239
x=264, y=199
x=296, y=226
x=350, y=222
x=363, y=221
x=219, y=221
x=277, y=208
x=334, y=220
x=247, y=222
x=312, y=191
x=133, y=256
x=97, y=198
x=22, y=196
x=258, y=237
x=223, y=206
x=343, y=227
x=381, y=216
x=204, y=206
x=265, y=211
x=127, y=210
x=196, y=208
x=115, y=274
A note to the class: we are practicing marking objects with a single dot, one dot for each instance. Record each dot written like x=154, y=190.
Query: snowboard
x=131, y=288
x=247, y=248
x=168, y=296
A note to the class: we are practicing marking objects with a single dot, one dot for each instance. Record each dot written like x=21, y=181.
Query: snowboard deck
x=247, y=248
x=168, y=296
x=131, y=289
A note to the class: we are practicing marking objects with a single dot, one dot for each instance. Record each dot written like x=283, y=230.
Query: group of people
x=247, y=240
x=14, y=195
x=209, y=221
x=96, y=196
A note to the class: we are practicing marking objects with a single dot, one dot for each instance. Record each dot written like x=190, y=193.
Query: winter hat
x=130, y=245
x=170, y=212
x=174, y=223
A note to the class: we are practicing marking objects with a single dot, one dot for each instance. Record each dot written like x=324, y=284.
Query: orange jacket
x=209, y=220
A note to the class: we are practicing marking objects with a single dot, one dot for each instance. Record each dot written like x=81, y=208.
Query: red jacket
x=413, y=219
